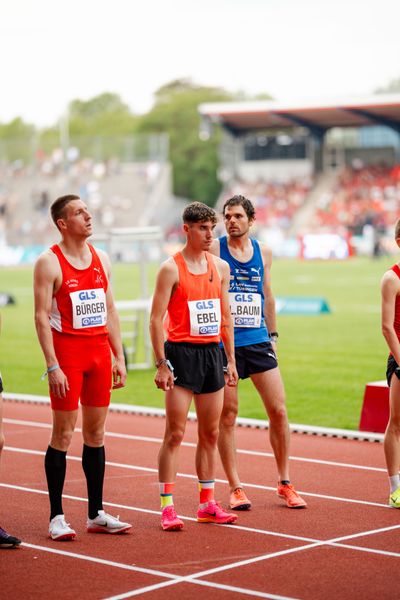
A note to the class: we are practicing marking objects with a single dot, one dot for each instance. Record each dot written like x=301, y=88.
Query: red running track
x=344, y=545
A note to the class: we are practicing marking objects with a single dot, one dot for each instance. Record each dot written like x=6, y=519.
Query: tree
x=92, y=121
x=17, y=140
x=105, y=114
x=194, y=162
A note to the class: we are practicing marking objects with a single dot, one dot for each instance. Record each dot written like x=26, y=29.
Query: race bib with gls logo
x=245, y=309
x=205, y=316
x=89, y=308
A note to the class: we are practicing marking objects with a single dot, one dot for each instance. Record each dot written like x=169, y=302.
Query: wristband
x=164, y=361
x=274, y=335
x=49, y=370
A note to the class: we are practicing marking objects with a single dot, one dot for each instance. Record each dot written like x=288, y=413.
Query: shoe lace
x=291, y=491
x=108, y=516
x=169, y=511
x=63, y=523
x=218, y=508
x=238, y=493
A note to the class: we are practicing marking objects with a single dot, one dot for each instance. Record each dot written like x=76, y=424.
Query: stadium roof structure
x=318, y=116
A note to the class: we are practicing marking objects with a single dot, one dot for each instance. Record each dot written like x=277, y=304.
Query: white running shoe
x=105, y=523
x=60, y=530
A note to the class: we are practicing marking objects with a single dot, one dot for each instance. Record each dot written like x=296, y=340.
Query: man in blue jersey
x=253, y=311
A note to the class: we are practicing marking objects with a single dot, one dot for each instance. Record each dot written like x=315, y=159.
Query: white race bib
x=245, y=309
x=205, y=316
x=89, y=308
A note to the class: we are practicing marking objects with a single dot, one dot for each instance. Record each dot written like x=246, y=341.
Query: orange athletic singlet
x=79, y=306
x=78, y=320
x=396, y=322
x=194, y=310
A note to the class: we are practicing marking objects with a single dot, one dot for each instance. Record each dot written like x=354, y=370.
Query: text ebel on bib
x=89, y=308
x=205, y=316
x=245, y=309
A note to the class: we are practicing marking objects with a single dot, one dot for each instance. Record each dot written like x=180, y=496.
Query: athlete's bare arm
x=390, y=289
x=167, y=280
x=47, y=279
x=269, y=299
x=114, y=328
x=227, y=334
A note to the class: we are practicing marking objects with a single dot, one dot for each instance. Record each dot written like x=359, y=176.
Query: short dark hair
x=241, y=201
x=57, y=209
x=197, y=212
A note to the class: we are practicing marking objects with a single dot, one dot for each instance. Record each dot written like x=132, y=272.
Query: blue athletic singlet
x=246, y=295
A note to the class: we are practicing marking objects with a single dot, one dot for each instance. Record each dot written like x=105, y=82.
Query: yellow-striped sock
x=166, y=497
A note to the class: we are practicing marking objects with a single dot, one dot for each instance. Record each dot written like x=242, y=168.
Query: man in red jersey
x=78, y=327
x=390, y=288
x=192, y=286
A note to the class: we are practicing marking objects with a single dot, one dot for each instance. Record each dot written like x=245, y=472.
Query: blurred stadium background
x=324, y=177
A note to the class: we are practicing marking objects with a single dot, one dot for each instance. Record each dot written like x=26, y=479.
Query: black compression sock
x=93, y=463
x=55, y=464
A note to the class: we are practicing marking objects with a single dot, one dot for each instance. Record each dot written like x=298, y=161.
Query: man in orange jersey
x=6, y=540
x=78, y=327
x=192, y=286
x=390, y=288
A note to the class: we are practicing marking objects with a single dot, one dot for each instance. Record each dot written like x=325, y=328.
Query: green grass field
x=325, y=359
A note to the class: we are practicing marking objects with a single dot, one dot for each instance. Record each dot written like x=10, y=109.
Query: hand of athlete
x=164, y=378
x=231, y=375
x=58, y=383
x=119, y=373
x=274, y=346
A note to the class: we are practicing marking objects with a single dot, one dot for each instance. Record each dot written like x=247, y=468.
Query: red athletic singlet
x=194, y=310
x=396, y=322
x=79, y=306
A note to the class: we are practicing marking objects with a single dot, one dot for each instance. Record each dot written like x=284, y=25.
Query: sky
x=56, y=51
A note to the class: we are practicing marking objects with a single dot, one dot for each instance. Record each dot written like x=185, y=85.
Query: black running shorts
x=253, y=359
x=390, y=368
x=197, y=367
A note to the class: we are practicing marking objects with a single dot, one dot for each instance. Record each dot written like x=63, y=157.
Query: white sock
x=394, y=483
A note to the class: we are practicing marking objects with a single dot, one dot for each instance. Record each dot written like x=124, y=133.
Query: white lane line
x=354, y=536
x=209, y=584
x=155, y=440
x=147, y=411
x=103, y=561
x=189, y=476
x=316, y=544
x=172, y=579
x=144, y=590
x=158, y=513
x=336, y=542
x=251, y=561
x=310, y=541
x=369, y=550
x=239, y=590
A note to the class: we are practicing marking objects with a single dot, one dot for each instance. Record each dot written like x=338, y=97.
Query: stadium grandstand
x=124, y=181
x=321, y=174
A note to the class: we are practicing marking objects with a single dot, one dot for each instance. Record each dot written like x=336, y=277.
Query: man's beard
x=237, y=234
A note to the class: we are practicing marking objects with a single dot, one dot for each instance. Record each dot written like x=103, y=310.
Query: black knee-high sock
x=93, y=463
x=55, y=464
